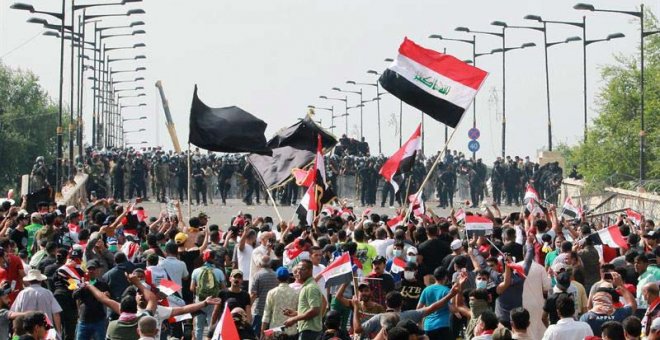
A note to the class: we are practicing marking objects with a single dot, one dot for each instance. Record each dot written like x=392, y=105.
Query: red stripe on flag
x=336, y=263
x=443, y=64
x=617, y=237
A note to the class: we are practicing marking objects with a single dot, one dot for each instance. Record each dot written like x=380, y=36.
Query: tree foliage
x=611, y=152
x=28, y=123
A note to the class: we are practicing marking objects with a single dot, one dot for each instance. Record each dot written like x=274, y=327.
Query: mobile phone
x=608, y=276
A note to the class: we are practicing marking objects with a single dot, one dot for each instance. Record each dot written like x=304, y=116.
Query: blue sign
x=474, y=133
x=473, y=146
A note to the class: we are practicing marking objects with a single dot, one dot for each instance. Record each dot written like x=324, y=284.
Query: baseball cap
x=93, y=263
x=236, y=272
x=560, y=266
x=379, y=259
x=180, y=238
x=456, y=244
x=76, y=254
x=411, y=250
x=282, y=273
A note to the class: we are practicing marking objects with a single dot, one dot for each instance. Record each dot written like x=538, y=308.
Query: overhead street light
x=128, y=13
x=125, y=47
x=27, y=7
x=130, y=119
x=643, y=34
x=137, y=57
x=345, y=100
x=137, y=69
x=361, y=111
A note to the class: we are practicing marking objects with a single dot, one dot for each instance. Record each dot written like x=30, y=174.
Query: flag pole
x=189, y=182
x=274, y=204
x=435, y=163
x=277, y=211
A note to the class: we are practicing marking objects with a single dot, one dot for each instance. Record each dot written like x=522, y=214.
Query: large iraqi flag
x=438, y=84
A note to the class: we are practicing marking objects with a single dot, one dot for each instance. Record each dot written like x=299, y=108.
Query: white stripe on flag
x=459, y=94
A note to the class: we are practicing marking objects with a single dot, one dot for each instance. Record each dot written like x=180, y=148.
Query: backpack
x=207, y=284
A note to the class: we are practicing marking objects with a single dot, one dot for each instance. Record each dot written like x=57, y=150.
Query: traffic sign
x=474, y=133
x=473, y=146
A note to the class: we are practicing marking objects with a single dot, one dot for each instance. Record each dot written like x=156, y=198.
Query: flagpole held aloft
x=189, y=183
x=277, y=211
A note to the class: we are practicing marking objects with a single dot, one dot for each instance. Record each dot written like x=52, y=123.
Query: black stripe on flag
x=439, y=109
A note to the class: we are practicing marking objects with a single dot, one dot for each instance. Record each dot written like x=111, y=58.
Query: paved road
x=221, y=214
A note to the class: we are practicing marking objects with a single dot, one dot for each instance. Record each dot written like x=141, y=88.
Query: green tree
x=28, y=124
x=611, y=152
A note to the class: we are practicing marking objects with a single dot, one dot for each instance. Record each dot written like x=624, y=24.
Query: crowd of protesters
x=99, y=271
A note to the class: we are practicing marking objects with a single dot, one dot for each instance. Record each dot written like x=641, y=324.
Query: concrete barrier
x=611, y=199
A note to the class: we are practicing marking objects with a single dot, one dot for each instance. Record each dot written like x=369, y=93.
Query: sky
x=274, y=58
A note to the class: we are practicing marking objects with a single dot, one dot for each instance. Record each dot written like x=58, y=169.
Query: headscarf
x=602, y=303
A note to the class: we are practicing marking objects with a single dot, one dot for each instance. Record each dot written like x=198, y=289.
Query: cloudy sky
x=273, y=58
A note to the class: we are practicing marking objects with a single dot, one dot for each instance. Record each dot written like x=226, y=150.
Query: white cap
x=456, y=244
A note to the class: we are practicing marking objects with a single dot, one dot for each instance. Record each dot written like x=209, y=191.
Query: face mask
x=481, y=284
x=409, y=275
x=396, y=252
x=411, y=258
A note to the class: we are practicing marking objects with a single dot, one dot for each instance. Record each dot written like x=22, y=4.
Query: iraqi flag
x=610, y=236
x=634, y=216
x=530, y=193
x=403, y=160
x=340, y=271
x=417, y=205
x=395, y=221
x=438, y=84
x=398, y=265
x=459, y=215
x=534, y=208
x=478, y=224
x=570, y=210
x=226, y=328
x=168, y=287
x=318, y=192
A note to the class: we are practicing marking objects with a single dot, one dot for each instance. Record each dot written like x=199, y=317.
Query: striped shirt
x=264, y=280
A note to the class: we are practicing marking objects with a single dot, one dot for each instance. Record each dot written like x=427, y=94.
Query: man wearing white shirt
x=316, y=256
x=244, y=255
x=265, y=248
x=567, y=328
x=382, y=242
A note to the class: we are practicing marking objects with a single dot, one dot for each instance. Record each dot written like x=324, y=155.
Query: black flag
x=293, y=147
x=226, y=129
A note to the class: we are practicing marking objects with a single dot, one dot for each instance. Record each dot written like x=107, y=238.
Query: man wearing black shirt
x=234, y=296
x=19, y=234
x=431, y=253
x=91, y=323
x=382, y=282
x=411, y=287
x=510, y=246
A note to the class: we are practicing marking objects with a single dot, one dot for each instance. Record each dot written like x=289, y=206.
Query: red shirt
x=11, y=273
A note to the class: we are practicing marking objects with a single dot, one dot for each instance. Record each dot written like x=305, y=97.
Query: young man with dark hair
x=486, y=326
x=567, y=328
x=612, y=330
x=520, y=323
x=437, y=324
x=632, y=328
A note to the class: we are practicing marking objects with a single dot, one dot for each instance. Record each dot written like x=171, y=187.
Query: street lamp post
x=378, y=93
x=503, y=37
x=345, y=100
x=639, y=14
x=354, y=92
